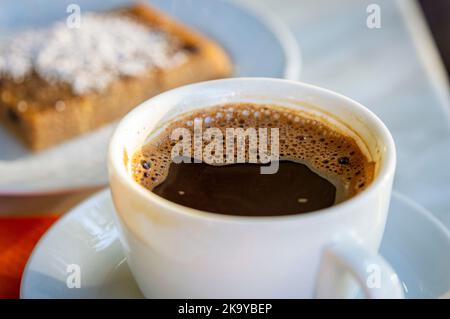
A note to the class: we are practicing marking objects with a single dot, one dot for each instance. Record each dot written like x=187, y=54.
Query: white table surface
x=397, y=76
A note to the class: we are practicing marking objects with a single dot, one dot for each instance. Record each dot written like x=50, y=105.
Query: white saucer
x=415, y=243
x=258, y=43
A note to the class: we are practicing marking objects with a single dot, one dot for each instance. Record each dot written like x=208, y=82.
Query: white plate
x=415, y=243
x=259, y=45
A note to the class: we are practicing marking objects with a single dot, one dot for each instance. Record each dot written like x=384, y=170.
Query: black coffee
x=240, y=189
x=318, y=166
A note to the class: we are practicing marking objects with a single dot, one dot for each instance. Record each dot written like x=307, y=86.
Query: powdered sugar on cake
x=89, y=58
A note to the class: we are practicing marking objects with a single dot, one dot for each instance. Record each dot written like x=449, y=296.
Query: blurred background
x=437, y=14
x=398, y=66
x=397, y=69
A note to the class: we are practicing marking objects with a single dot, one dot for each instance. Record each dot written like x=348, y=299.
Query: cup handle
x=374, y=275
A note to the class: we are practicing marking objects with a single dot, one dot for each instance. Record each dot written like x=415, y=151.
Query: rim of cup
x=116, y=149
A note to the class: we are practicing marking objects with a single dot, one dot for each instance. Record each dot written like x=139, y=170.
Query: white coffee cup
x=179, y=252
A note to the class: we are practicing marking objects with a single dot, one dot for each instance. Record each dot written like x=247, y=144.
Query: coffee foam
x=314, y=142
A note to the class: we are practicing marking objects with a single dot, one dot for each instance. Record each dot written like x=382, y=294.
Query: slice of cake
x=60, y=82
